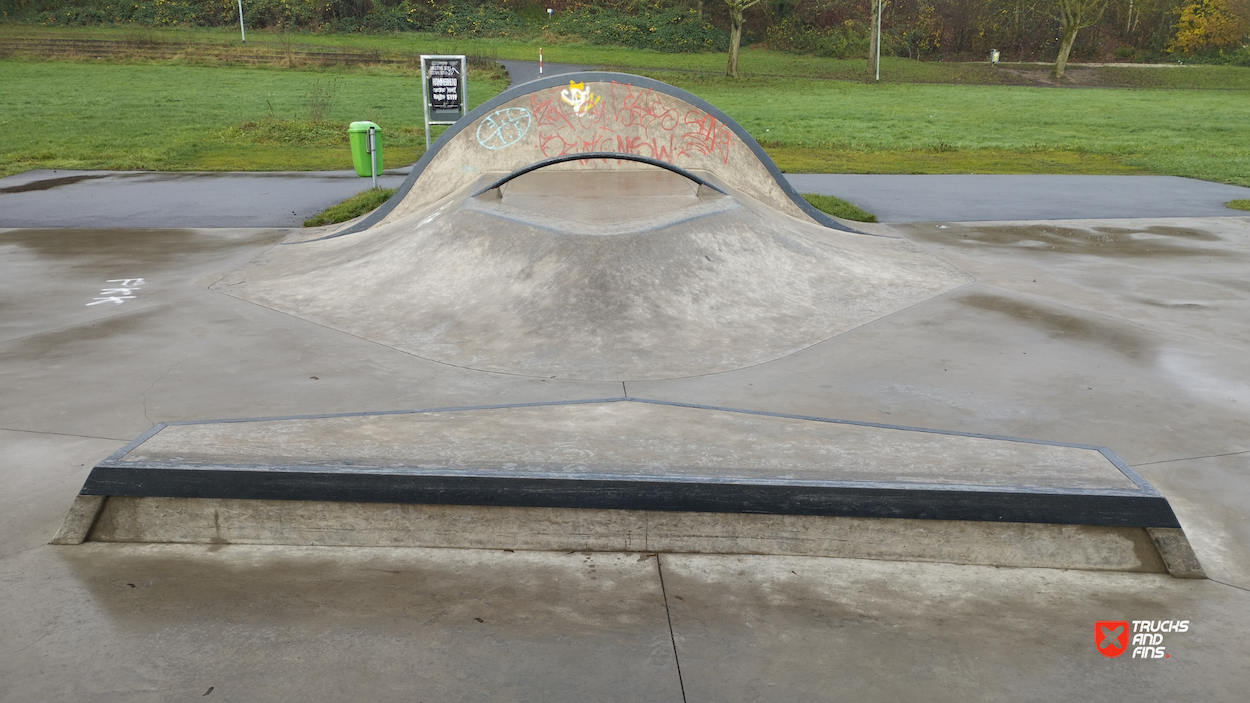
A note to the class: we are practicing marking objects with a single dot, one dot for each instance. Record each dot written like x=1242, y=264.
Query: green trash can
x=358, y=135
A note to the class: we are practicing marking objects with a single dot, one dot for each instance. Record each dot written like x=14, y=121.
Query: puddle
x=1112, y=242
x=125, y=247
x=56, y=346
x=48, y=184
x=1065, y=325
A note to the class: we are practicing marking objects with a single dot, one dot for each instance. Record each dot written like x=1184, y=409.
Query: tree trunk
x=735, y=38
x=700, y=9
x=1065, y=48
x=872, y=40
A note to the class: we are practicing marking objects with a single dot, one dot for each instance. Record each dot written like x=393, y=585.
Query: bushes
x=669, y=29
x=460, y=19
x=335, y=15
x=849, y=40
x=673, y=30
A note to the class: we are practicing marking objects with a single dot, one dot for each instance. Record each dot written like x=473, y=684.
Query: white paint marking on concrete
x=118, y=294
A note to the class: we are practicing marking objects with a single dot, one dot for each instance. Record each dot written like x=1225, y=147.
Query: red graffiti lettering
x=628, y=120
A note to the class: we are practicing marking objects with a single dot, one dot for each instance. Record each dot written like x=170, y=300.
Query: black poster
x=444, y=85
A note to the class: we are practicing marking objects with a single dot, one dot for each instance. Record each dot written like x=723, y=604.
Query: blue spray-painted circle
x=503, y=128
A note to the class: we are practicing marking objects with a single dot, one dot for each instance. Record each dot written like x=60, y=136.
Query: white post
x=373, y=158
x=242, y=32
x=540, y=60
x=880, y=9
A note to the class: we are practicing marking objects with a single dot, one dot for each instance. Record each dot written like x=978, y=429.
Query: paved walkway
x=969, y=198
x=146, y=199
x=526, y=71
x=107, y=199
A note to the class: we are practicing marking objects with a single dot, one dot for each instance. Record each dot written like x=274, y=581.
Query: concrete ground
x=1128, y=334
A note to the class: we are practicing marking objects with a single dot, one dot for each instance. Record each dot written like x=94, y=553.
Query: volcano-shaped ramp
x=593, y=265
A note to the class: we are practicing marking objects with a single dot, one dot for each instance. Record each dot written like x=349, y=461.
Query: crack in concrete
x=144, y=394
x=63, y=434
x=1191, y=458
x=672, y=638
x=1230, y=585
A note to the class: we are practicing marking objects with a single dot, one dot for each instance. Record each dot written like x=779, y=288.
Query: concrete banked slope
x=611, y=228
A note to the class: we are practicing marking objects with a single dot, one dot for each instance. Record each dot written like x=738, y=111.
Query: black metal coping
x=592, y=155
x=517, y=91
x=496, y=486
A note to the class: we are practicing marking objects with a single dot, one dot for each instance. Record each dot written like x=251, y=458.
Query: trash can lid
x=362, y=127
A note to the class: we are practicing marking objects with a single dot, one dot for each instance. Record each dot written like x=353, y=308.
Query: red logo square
x=1111, y=637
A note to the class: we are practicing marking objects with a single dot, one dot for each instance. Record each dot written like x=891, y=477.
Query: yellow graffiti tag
x=580, y=97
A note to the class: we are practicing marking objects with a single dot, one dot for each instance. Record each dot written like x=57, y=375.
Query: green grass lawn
x=920, y=128
x=122, y=116
x=839, y=207
x=355, y=206
x=168, y=116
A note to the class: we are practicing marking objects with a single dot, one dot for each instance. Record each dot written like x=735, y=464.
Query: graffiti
x=628, y=120
x=579, y=97
x=503, y=128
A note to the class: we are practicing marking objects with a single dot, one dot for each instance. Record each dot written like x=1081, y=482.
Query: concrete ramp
x=597, y=275
x=604, y=227
x=601, y=113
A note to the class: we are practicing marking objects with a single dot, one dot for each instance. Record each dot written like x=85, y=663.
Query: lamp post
x=880, y=9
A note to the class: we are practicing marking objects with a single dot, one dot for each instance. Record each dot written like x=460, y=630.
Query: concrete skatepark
x=916, y=460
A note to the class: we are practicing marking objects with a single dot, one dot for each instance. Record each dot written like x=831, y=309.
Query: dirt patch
x=1043, y=75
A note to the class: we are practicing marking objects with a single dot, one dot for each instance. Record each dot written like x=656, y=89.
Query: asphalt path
x=970, y=198
x=145, y=199
x=104, y=199
x=525, y=71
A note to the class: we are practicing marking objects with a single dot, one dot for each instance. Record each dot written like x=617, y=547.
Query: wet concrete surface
x=725, y=283
x=967, y=198
x=1143, y=352
x=120, y=199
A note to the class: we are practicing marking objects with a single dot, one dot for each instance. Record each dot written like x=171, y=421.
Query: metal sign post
x=444, y=90
x=373, y=157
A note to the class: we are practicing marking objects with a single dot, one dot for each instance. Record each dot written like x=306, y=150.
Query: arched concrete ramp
x=594, y=111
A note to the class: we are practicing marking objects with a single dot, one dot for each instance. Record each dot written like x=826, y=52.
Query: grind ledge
x=628, y=474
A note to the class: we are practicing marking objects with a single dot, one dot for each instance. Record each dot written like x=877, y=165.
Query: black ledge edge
x=1143, y=507
x=563, y=79
x=1113, y=508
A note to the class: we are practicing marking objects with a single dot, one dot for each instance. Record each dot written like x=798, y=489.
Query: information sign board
x=444, y=91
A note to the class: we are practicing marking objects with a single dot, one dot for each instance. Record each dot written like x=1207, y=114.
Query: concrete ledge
x=80, y=519
x=1176, y=552
x=313, y=523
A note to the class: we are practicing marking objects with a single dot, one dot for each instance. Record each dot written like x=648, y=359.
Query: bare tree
x=1075, y=15
x=736, y=8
